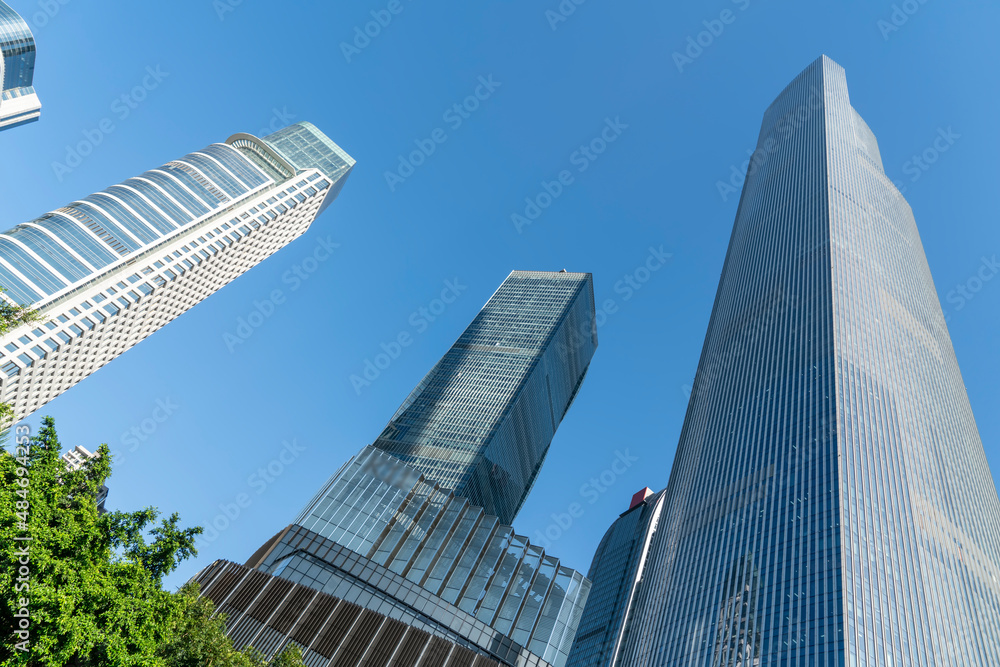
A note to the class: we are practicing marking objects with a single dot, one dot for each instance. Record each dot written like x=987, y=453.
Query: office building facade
x=18, y=101
x=830, y=501
x=382, y=536
x=107, y=271
x=615, y=574
x=407, y=539
x=480, y=423
x=268, y=612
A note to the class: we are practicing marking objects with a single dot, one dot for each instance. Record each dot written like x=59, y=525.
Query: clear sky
x=552, y=86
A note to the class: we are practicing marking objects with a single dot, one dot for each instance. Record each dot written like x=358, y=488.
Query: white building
x=107, y=271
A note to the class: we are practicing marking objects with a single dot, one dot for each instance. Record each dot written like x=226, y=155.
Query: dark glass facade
x=830, y=502
x=270, y=614
x=616, y=571
x=18, y=102
x=485, y=585
x=480, y=423
x=417, y=536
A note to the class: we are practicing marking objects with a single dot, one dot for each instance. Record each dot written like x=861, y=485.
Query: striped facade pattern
x=109, y=270
x=306, y=558
x=615, y=573
x=482, y=420
x=921, y=518
x=744, y=568
x=830, y=502
x=271, y=614
x=18, y=101
x=398, y=519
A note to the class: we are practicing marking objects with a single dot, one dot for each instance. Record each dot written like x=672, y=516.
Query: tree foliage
x=87, y=590
x=12, y=316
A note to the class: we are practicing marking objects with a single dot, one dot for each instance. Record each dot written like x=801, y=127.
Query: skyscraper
x=383, y=536
x=830, y=501
x=615, y=573
x=108, y=270
x=394, y=545
x=268, y=612
x=18, y=102
x=481, y=421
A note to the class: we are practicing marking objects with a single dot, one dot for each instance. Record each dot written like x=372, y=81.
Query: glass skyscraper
x=481, y=421
x=106, y=271
x=397, y=538
x=615, y=573
x=381, y=535
x=18, y=102
x=830, y=501
x=267, y=612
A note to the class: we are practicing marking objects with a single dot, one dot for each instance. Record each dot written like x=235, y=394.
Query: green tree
x=198, y=640
x=12, y=316
x=93, y=595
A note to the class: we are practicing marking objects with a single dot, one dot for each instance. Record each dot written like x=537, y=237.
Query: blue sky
x=283, y=398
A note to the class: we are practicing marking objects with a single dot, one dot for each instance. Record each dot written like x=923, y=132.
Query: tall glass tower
x=616, y=571
x=18, y=102
x=393, y=545
x=106, y=271
x=481, y=421
x=830, y=501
